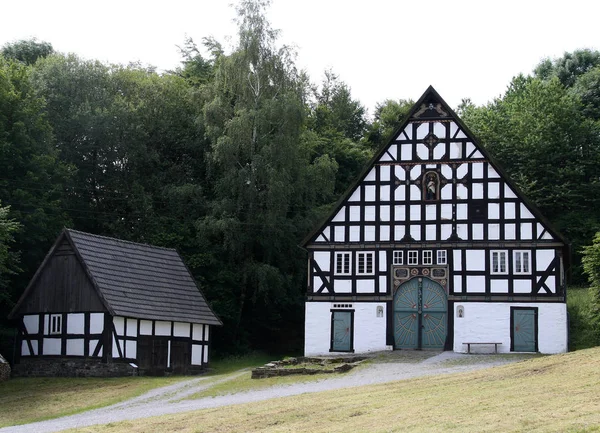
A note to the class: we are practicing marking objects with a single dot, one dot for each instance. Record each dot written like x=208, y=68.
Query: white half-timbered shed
x=434, y=247
x=108, y=301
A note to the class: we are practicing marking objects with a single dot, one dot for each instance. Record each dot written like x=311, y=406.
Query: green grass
x=235, y=363
x=25, y=400
x=581, y=333
x=559, y=393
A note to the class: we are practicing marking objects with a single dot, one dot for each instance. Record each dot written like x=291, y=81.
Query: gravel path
x=167, y=400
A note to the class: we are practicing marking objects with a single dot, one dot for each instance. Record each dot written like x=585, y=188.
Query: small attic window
x=55, y=324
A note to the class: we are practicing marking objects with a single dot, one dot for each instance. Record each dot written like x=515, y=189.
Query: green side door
x=341, y=331
x=524, y=329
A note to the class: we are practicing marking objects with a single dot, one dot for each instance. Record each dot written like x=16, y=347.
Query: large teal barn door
x=420, y=315
x=523, y=329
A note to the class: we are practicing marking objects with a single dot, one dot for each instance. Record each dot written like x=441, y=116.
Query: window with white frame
x=364, y=263
x=441, y=257
x=428, y=257
x=413, y=257
x=55, y=324
x=522, y=262
x=398, y=257
x=499, y=263
x=343, y=263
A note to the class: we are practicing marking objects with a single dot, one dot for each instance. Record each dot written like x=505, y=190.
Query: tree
x=591, y=266
x=8, y=259
x=568, y=67
x=387, y=118
x=27, y=51
x=587, y=88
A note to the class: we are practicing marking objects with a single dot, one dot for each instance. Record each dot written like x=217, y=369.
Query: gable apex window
x=499, y=262
x=398, y=258
x=428, y=257
x=413, y=257
x=364, y=263
x=441, y=257
x=522, y=262
x=343, y=263
x=55, y=324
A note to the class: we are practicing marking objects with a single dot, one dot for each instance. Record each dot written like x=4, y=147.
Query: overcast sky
x=380, y=48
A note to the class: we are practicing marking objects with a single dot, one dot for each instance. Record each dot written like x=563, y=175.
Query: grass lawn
x=25, y=400
x=558, y=393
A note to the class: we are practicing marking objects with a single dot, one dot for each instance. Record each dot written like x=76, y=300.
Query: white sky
x=380, y=48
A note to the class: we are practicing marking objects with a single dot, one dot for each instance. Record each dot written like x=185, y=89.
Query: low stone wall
x=69, y=367
x=286, y=367
x=4, y=369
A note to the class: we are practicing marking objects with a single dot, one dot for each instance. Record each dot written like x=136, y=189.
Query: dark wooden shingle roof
x=142, y=281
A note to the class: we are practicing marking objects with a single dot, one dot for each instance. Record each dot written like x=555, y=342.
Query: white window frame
x=442, y=257
x=363, y=256
x=428, y=257
x=500, y=253
x=414, y=260
x=55, y=324
x=398, y=257
x=519, y=269
x=346, y=270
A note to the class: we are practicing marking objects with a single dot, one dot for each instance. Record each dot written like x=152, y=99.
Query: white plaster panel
x=551, y=283
x=119, y=323
x=181, y=329
x=323, y=260
x=340, y=216
x=384, y=173
x=415, y=212
x=525, y=213
x=494, y=232
x=439, y=129
x=384, y=213
x=407, y=133
x=446, y=231
x=422, y=131
x=131, y=349
x=453, y=129
x=355, y=195
x=415, y=192
x=422, y=151
x=462, y=171
x=491, y=322
x=371, y=175
x=340, y=233
x=354, y=213
x=399, y=172
x=365, y=286
x=400, y=193
x=508, y=192
x=115, y=350
x=369, y=233
x=384, y=233
x=354, y=233
x=475, y=284
x=461, y=211
x=92, y=347
x=439, y=150
x=25, y=349
x=369, y=213
x=477, y=169
x=384, y=193
x=461, y=231
x=539, y=229
x=526, y=230
x=543, y=259
x=493, y=211
x=316, y=283
x=522, y=286
x=320, y=238
x=547, y=236
x=75, y=346
x=499, y=286
x=205, y=355
x=32, y=324
x=510, y=232
x=430, y=232
x=455, y=150
x=145, y=327
x=46, y=324
x=415, y=232
x=509, y=211
x=370, y=193
x=446, y=211
x=457, y=259
x=393, y=150
x=399, y=232
x=197, y=331
x=385, y=157
x=492, y=174
x=399, y=212
x=51, y=346
x=446, y=171
x=206, y=332
x=382, y=260
x=326, y=233
x=458, y=288
x=475, y=260
x=382, y=284
x=493, y=190
x=462, y=192
x=446, y=192
x=477, y=190
x=470, y=147
x=196, y=354
x=477, y=232
x=162, y=328
x=430, y=212
x=342, y=286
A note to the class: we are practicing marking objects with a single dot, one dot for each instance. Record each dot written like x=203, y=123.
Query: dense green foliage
x=591, y=266
x=233, y=158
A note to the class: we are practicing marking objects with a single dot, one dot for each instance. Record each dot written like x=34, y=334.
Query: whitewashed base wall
x=490, y=322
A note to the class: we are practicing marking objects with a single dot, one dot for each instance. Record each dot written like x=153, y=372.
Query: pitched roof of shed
x=139, y=280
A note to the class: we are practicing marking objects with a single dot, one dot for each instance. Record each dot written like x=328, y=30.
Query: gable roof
x=431, y=107
x=136, y=280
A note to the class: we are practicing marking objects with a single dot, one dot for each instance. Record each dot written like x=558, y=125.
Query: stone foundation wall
x=4, y=369
x=69, y=367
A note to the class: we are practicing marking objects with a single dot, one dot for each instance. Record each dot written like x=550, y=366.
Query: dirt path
x=168, y=400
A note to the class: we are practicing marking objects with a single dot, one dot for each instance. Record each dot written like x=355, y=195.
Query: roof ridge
x=121, y=240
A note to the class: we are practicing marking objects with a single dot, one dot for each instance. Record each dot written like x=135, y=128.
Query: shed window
x=499, y=262
x=364, y=263
x=441, y=257
x=427, y=257
x=398, y=257
x=55, y=325
x=522, y=262
x=413, y=257
x=342, y=263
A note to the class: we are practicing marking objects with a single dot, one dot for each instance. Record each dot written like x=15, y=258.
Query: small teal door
x=341, y=331
x=523, y=329
x=420, y=315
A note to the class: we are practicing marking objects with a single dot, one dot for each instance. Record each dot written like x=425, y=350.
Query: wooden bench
x=469, y=346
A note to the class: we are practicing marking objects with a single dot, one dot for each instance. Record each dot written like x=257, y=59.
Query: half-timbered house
x=97, y=304
x=435, y=247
